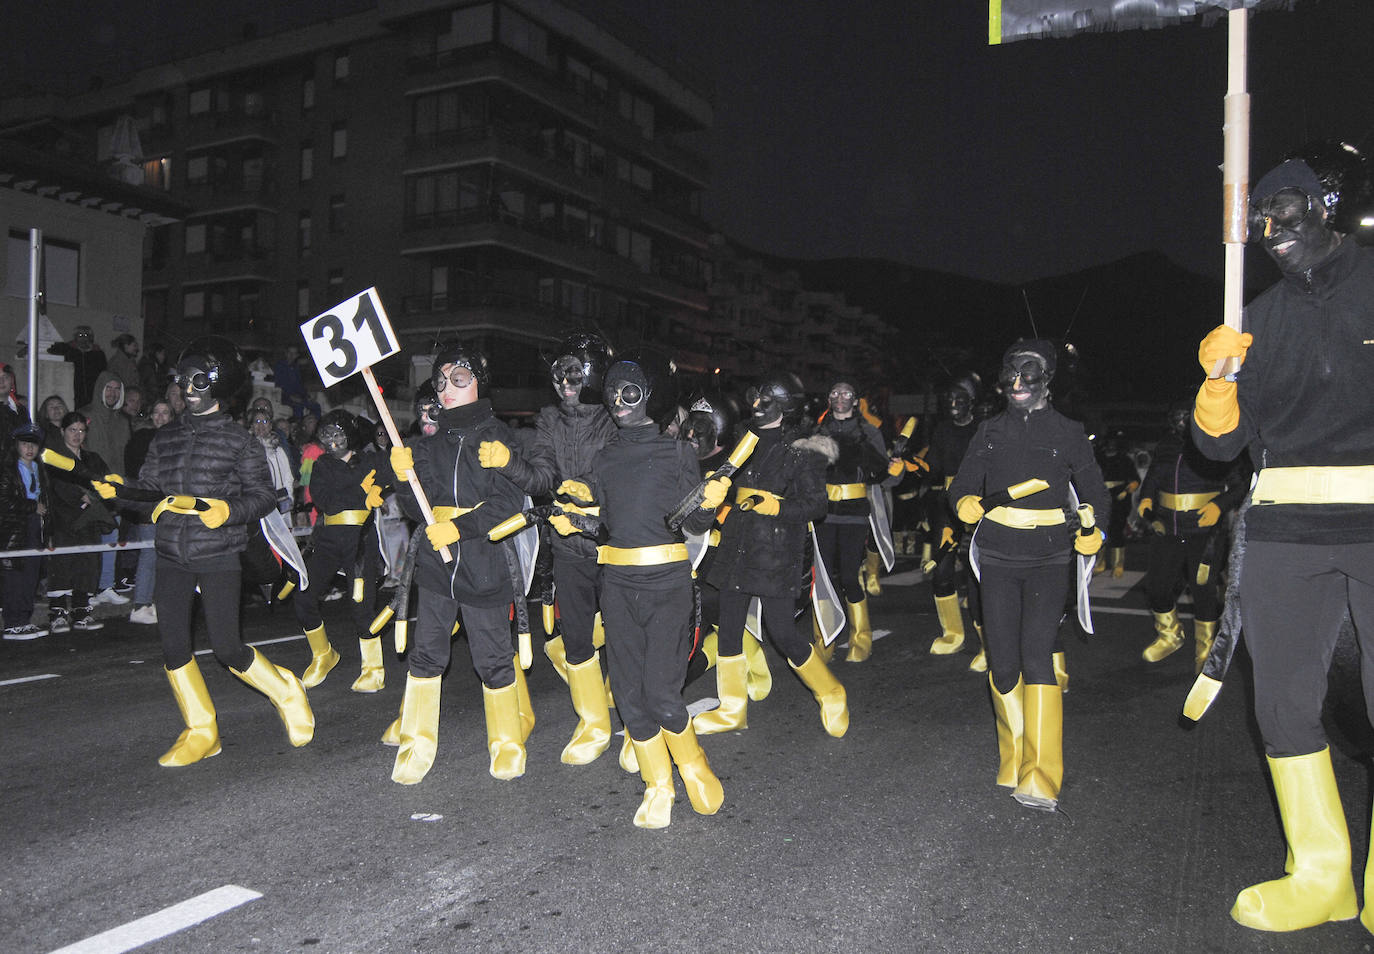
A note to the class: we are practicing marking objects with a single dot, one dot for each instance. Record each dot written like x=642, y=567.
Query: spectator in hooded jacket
x=123, y=360
x=108, y=437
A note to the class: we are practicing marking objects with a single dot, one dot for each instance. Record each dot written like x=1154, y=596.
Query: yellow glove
x=1216, y=409
x=918, y=463
x=768, y=507
x=442, y=533
x=374, y=493
x=716, y=489
x=402, y=459
x=562, y=524
x=895, y=467
x=493, y=454
x=1088, y=544
x=215, y=514
x=106, y=491
x=1208, y=515
x=1223, y=341
x=946, y=536
x=1146, y=505
x=114, y=479
x=577, y=490
x=970, y=508
x=178, y=503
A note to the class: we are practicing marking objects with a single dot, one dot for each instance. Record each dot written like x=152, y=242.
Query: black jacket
x=74, y=519
x=860, y=458
x=15, y=505
x=1178, y=467
x=566, y=442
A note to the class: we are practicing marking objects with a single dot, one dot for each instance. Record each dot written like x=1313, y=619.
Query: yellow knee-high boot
x=392, y=735
x=1319, y=887
x=1061, y=670
x=732, y=679
x=824, y=649
x=704, y=790
x=1118, y=561
x=558, y=655
x=979, y=662
x=522, y=698
x=1009, y=711
x=828, y=692
x=860, y=632
x=1042, y=748
x=323, y=657
x=200, y=739
x=593, y=733
x=871, y=566
x=760, y=679
x=286, y=693
x=629, y=762
x=504, y=745
x=1168, y=641
x=372, y=675
x=951, y=617
x=1204, y=634
x=417, y=729
x=656, y=768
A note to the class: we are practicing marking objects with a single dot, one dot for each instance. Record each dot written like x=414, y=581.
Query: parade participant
x=1183, y=500
x=427, y=408
x=1022, y=554
x=637, y=478
x=778, y=491
x=215, y=476
x=948, y=444
x=467, y=500
x=568, y=436
x=861, y=461
x=1300, y=403
x=347, y=487
x=1122, y=479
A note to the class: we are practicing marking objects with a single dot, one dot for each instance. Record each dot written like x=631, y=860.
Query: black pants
x=486, y=627
x=842, y=549
x=1173, y=565
x=779, y=620
x=1117, y=520
x=335, y=549
x=21, y=576
x=1022, y=606
x=1293, y=597
x=648, y=636
x=577, y=581
x=175, y=596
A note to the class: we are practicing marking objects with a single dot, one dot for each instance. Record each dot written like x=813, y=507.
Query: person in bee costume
x=861, y=461
x=1022, y=549
x=637, y=479
x=346, y=486
x=1123, y=480
x=216, y=480
x=467, y=499
x=1300, y=404
x=1184, y=498
x=778, y=491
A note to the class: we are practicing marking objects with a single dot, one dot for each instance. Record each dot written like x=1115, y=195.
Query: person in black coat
x=24, y=505
x=214, y=475
x=79, y=518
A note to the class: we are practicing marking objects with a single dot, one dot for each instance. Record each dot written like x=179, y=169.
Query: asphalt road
x=894, y=838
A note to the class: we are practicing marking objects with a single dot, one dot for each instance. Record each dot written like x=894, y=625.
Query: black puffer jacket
x=763, y=556
x=207, y=456
x=566, y=442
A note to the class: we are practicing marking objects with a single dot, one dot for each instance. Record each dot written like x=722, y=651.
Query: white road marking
x=260, y=642
x=702, y=705
x=426, y=817
x=15, y=682
x=905, y=578
x=160, y=924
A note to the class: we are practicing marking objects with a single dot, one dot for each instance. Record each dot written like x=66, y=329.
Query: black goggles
x=628, y=394
x=1285, y=209
x=195, y=380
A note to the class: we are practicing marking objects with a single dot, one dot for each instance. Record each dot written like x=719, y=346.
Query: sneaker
x=27, y=631
x=87, y=622
x=125, y=585
x=59, y=624
x=146, y=615
x=108, y=596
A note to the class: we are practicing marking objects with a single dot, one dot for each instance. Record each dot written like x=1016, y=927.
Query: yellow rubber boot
x=828, y=693
x=392, y=735
x=860, y=632
x=629, y=762
x=558, y=655
x=1042, y=748
x=1168, y=641
x=522, y=698
x=732, y=679
x=826, y=650
x=656, y=768
x=1319, y=887
x=951, y=617
x=979, y=662
x=200, y=739
x=872, y=563
x=1204, y=634
x=710, y=647
x=417, y=730
x=704, y=790
x=760, y=678
x=287, y=695
x=1009, y=711
x=504, y=745
x=1061, y=670
x=372, y=676
x=324, y=657
x=593, y=733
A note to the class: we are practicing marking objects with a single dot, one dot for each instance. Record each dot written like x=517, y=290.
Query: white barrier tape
x=116, y=547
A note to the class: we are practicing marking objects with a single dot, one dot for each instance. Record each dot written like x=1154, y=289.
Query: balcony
x=233, y=193
x=213, y=129
x=247, y=263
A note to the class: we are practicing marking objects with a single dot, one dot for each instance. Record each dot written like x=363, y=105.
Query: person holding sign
x=215, y=475
x=467, y=501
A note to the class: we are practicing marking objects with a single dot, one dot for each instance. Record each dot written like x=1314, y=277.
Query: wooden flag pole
x=1235, y=177
x=396, y=441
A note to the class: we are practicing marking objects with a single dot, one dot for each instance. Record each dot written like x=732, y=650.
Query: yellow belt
x=845, y=491
x=346, y=518
x=1315, y=485
x=1023, y=519
x=451, y=513
x=1182, y=503
x=642, y=556
x=713, y=538
x=744, y=493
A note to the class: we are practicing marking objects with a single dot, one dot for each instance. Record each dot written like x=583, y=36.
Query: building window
x=526, y=37
x=336, y=213
x=339, y=148
x=157, y=173
x=61, y=269
x=198, y=102
x=307, y=162
x=469, y=26
x=341, y=66
x=303, y=299
x=308, y=93
x=195, y=238
x=197, y=169
x=639, y=111
x=335, y=284
x=635, y=246
x=193, y=305
x=304, y=234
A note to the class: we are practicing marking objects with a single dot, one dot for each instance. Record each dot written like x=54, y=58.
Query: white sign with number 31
x=353, y=335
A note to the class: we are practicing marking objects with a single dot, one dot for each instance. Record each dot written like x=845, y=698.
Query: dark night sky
x=890, y=128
